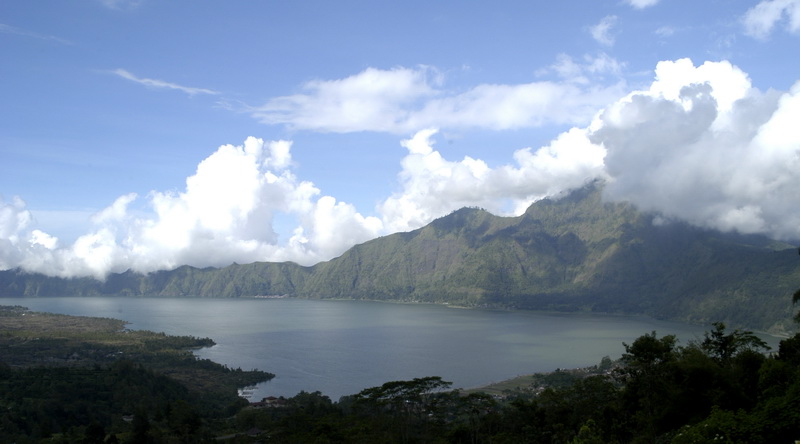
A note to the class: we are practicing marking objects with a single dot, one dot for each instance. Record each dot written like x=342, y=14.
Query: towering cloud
x=702, y=145
x=224, y=215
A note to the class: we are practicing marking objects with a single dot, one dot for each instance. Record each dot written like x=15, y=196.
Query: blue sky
x=147, y=135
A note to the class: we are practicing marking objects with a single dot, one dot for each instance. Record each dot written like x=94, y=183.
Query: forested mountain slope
x=572, y=253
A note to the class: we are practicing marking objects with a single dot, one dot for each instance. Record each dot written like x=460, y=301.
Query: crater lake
x=340, y=347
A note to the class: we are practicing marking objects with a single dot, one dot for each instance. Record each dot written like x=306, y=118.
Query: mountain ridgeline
x=576, y=253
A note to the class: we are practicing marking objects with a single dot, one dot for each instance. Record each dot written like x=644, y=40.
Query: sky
x=146, y=135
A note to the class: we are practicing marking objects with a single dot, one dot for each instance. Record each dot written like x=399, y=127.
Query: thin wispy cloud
x=641, y=4
x=586, y=70
x=121, y=5
x=405, y=100
x=8, y=29
x=665, y=31
x=601, y=32
x=161, y=84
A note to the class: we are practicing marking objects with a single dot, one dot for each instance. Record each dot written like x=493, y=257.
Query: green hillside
x=567, y=254
x=575, y=253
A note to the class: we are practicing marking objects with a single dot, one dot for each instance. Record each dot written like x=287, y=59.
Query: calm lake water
x=342, y=347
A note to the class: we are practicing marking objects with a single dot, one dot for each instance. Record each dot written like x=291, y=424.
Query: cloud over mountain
x=433, y=186
x=225, y=214
x=700, y=144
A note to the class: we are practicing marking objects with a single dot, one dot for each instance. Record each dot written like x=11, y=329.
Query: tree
x=789, y=350
x=405, y=396
x=722, y=347
x=95, y=433
x=470, y=414
x=795, y=299
x=588, y=434
x=649, y=383
x=183, y=419
x=140, y=427
x=407, y=403
x=647, y=353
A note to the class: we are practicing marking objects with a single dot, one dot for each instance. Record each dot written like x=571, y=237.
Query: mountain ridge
x=574, y=253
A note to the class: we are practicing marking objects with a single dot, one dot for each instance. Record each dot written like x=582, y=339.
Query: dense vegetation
x=573, y=253
x=73, y=379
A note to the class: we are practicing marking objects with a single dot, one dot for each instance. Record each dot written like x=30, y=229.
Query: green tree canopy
x=722, y=347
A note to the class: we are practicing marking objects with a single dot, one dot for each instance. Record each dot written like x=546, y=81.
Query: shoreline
x=779, y=332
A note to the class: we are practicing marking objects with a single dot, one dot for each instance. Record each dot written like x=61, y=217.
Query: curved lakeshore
x=342, y=347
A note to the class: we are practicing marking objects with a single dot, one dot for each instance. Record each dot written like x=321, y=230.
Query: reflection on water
x=342, y=347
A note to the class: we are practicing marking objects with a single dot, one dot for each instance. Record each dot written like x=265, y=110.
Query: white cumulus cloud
x=433, y=186
x=14, y=219
x=224, y=215
x=404, y=100
x=704, y=146
x=372, y=100
x=699, y=144
x=760, y=20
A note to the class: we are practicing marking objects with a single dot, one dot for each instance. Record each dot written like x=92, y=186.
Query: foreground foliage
x=81, y=379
